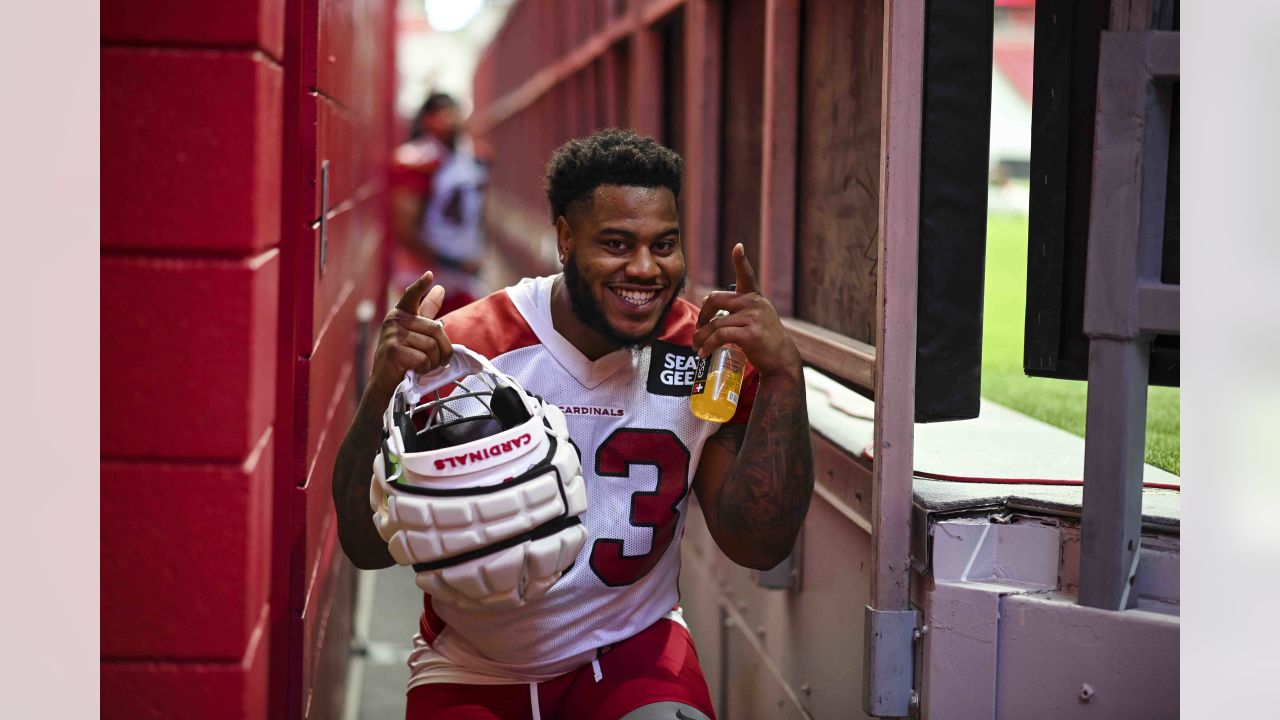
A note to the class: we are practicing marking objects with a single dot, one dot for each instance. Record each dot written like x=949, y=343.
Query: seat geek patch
x=671, y=369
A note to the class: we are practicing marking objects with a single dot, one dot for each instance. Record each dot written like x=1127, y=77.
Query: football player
x=437, y=189
x=609, y=341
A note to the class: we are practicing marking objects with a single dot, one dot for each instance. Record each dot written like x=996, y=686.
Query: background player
x=608, y=640
x=438, y=179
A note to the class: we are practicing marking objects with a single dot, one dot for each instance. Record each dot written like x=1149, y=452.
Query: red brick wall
x=229, y=354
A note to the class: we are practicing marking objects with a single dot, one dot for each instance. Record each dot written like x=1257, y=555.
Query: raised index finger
x=413, y=294
x=419, y=300
x=742, y=271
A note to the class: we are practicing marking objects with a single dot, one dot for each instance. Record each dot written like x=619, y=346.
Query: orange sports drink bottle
x=717, y=383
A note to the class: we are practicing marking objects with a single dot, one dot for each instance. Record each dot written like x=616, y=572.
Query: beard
x=589, y=313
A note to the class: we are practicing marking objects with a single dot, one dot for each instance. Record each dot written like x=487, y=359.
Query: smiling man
x=611, y=341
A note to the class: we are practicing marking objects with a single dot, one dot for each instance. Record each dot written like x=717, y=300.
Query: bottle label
x=700, y=376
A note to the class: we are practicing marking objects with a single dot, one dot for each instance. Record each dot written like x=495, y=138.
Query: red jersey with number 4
x=628, y=414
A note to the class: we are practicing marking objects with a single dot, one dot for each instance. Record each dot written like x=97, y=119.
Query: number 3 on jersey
x=656, y=509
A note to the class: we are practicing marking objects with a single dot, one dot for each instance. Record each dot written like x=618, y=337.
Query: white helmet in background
x=479, y=490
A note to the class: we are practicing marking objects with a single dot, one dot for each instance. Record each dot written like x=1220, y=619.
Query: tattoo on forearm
x=766, y=495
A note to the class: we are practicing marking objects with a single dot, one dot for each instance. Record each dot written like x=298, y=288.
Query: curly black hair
x=608, y=157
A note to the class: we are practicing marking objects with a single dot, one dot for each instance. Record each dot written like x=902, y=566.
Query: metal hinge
x=889, y=664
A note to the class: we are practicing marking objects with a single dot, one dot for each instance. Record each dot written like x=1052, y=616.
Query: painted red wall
x=230, y=355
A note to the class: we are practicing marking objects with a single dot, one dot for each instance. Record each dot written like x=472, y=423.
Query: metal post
x=887, y=668
x=1116, y=432
x=1124, y=302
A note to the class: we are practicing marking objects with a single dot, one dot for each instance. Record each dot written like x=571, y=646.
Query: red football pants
x=659, y=664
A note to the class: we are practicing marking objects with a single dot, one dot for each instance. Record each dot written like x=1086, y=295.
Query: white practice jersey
x=628, y=415
x=451, y=220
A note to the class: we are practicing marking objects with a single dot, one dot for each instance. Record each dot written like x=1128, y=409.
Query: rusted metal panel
x=586, y=92
x=778, y=156
x=833, y=353
x=653, y=11
x=519, y=95
x=754, y=684
x=702, y=52
x=839, y=166
x=671, y=35
x=843, y=481
x=619, y=60
x=645, y=82
x=801, y=646
x=603, y=92
x=741, y=139
x=792, y=647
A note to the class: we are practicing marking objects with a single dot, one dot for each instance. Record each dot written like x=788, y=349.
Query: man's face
x=624, y=265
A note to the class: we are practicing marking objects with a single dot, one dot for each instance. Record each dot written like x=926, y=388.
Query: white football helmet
x=479, y=490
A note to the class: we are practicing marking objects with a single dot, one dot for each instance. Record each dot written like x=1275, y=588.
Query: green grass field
x=1057, y=402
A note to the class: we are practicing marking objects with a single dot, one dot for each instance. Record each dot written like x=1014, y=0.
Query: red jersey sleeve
x=412, y=167
x=491, y=326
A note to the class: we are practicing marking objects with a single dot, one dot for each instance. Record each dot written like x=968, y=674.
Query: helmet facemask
x=479, y=489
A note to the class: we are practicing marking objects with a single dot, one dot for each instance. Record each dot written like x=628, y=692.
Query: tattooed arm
x=351, y=478
x=754, y=483
x=410, y=339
